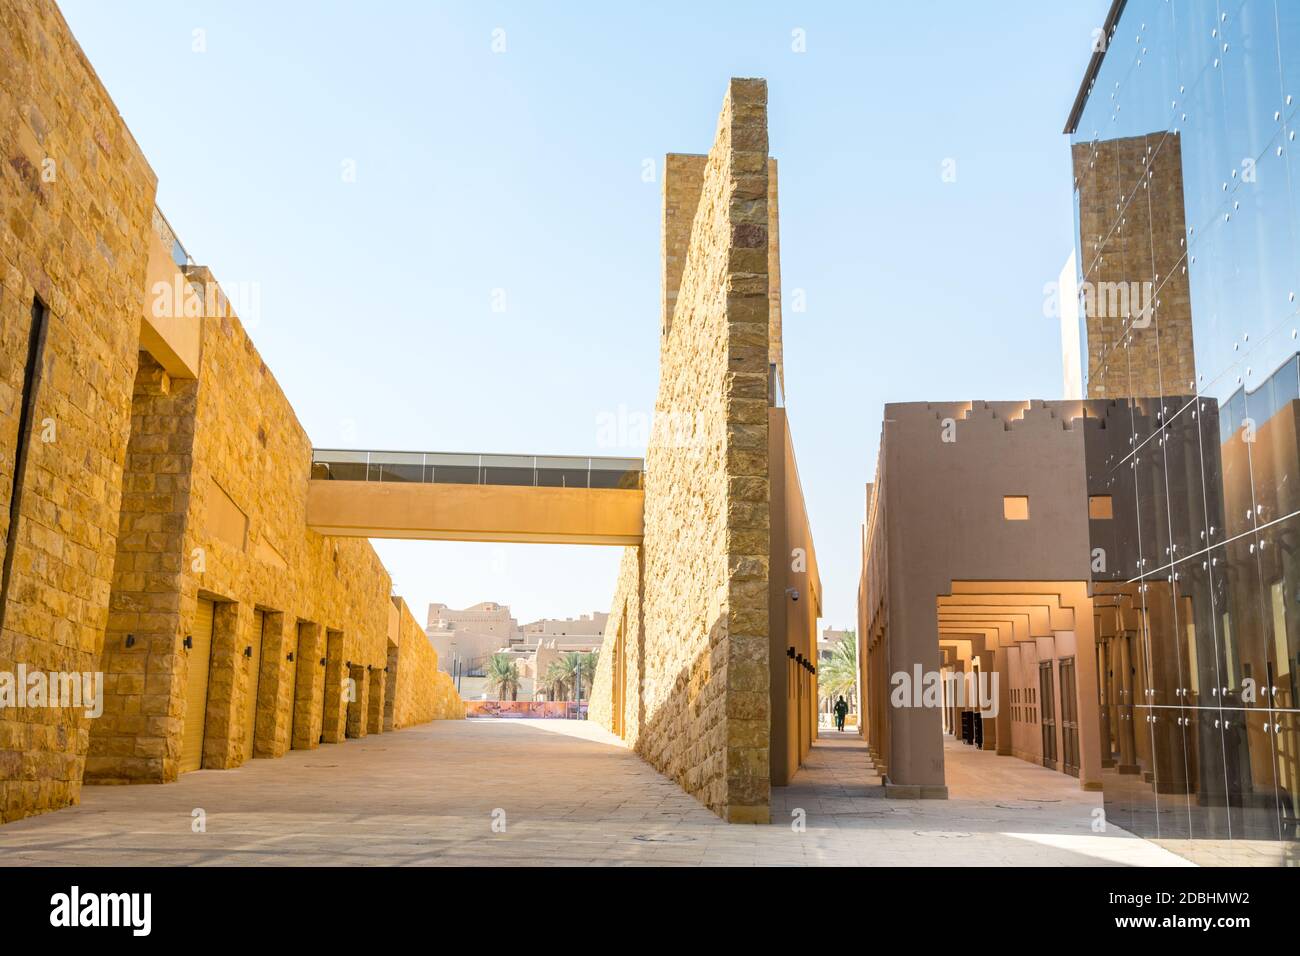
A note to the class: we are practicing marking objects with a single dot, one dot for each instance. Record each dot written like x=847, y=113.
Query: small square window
x=1015, y=507
x=1099, y=506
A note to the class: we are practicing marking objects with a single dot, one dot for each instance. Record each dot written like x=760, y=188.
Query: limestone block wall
x=421, y=692
x=204, y=478
x=614, y=702
x=216, y=509
x=683, y=181
x=141, y=686
x=76, y=201
x=775, y=336
x=702, y=694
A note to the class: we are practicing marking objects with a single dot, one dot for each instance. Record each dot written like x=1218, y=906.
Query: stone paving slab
x=569, y=794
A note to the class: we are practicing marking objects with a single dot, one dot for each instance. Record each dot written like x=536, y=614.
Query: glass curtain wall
x=1187, y=189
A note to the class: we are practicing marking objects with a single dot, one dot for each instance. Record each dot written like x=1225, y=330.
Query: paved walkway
x=562, y=792
x=1000, y=811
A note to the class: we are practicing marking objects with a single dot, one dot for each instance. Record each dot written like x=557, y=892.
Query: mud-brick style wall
x=76, y=201
x=702, y=697
x=937, y=528
x=795, y=601
x=421, y=692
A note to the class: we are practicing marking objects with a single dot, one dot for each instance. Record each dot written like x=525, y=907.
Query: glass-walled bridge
x=446, y=496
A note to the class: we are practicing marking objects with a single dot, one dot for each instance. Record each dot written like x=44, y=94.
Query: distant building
x=584, y=626
x=467, y=639
x=486, y=617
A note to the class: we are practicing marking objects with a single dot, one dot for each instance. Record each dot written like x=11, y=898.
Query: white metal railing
x=542, y=471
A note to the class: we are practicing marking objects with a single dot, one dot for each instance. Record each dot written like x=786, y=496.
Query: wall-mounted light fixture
x=322, y=662
x=248, y=651
x=188, y=643
x=130, y=640
x=289, y=656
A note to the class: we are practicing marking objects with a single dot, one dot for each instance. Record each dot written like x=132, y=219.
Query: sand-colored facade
x=976, y=561
x=694, y=670
x=153, y=479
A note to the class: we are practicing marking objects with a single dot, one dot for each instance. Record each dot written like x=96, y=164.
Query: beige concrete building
x=471, y=635
x=975, y=602
x=153, y=483
x=486, y=617
x=586, y=628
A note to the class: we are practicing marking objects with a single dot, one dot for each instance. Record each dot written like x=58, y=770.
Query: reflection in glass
x=1188, y=230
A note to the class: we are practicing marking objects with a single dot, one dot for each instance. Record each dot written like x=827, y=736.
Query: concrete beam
x=167, y=331
x=435, y=512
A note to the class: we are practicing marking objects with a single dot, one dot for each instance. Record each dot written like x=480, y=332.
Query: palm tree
x=581, y=668
x=837, y=672
x=503, y=676
x=554, y=682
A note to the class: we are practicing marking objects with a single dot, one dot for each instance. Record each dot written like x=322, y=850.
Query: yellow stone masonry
x=142, y=495
x=421, y=691
x=76, y=203
x=694, y=692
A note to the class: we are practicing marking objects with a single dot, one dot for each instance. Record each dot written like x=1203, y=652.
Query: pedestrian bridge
x=439, y=496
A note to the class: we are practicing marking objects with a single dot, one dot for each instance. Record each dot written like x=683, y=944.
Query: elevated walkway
x=437, y=496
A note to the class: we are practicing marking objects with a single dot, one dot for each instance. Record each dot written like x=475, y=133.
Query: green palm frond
x=837, y=672
x=502, y=675
x=581, y=671
x=554, y=682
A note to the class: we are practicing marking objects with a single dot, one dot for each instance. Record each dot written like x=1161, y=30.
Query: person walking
x=841, y=711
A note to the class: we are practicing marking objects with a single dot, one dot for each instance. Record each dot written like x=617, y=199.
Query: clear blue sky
x=522, y=171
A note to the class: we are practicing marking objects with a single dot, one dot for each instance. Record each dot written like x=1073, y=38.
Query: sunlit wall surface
x=1187, y=187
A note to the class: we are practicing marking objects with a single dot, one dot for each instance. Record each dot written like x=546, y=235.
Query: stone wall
x=614, y=703
x=141, y=493
x=216, y=508
x=701, y=696
x=775, y=335
x=421, y=691
x=76, y=201
x=141, y=686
